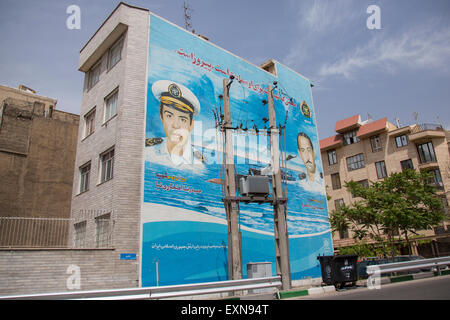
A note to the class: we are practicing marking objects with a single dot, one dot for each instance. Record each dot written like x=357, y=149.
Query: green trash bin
x=339, y=270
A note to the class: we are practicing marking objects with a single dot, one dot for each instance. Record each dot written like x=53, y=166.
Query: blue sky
x=402, y=68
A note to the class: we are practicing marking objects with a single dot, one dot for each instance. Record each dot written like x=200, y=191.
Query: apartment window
x=436, y=178
x=426, y=152
x=350, y=138
x=375, y=143
x=85, y=172
x=401, y=141
x=106, y=165
x=335, y=181
x=381, y=169
x=363, y=183
x=332, y=158
x=406, y=164
x=79, y=236
x=355, y=162
x=338, y=203
x=94, y=75
x=115, y=53
x=103, y=230
x=343, y=233
x=89, y=123
x=111, y=105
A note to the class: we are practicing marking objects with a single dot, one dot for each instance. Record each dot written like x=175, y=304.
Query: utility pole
x=279, y=205
x=234, y=234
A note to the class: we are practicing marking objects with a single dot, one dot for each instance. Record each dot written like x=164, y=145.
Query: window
x=401, y=141
x=79, y=235
x=426, y=152
x=94, y=75
x=85, y=172
x=103, y=230
x=106, y=165
x=363, y=183
x=436, y=178
x=89, y=123
x=111, y=105
x=350, y=138
x=332, y=159
x=335, y=181
x=343, y=233
x=381, y=169
x=355, y=162
x=115, y=53
x=375, y=142
x=338, y=203
x=407, y=164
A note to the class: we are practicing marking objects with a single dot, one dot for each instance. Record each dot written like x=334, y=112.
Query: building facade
x=157, y=208
x=37, y=153
x=367, y=151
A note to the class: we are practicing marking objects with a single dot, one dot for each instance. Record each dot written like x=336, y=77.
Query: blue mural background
x=193, y=248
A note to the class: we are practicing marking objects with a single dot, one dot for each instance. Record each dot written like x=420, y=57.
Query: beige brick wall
x=42, y=271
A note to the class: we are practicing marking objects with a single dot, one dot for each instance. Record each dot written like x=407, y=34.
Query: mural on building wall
x=184, y=228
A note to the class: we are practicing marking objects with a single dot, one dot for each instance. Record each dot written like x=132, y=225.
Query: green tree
x=404, y=201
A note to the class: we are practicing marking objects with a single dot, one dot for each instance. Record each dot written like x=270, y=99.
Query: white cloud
x=427, y=47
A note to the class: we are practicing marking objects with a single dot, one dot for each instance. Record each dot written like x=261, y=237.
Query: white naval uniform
x=158, y=154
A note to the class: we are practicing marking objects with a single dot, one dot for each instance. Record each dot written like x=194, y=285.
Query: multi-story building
x=37, y=153
x=367, y=151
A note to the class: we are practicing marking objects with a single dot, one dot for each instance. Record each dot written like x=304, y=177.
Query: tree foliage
x=403, y=202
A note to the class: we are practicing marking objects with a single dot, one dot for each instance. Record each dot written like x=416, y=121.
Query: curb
x=305, y=292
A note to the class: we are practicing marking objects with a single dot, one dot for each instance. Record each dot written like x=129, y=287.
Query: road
x=435, y=288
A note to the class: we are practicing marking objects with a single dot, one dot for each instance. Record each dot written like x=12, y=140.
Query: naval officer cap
x=176, y=95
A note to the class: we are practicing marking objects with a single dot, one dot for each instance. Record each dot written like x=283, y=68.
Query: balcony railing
x=427, y=126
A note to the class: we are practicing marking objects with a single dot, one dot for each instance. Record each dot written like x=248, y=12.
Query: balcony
x=421, y=132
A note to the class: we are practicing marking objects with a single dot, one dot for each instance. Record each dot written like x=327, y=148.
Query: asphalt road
x=435, y=288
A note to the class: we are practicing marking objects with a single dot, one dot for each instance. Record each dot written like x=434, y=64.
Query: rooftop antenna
x=416, y=117
x=187, y=17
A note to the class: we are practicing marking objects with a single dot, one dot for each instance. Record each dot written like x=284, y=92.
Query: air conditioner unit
x=254, y=186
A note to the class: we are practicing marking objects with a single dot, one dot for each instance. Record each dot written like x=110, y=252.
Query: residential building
x=367, y=151
x=37, y=153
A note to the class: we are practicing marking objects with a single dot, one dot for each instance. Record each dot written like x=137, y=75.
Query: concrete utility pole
x=234, y=234
x=279, y=205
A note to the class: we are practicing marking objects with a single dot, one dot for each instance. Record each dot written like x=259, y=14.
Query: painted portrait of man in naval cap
x=178, y=107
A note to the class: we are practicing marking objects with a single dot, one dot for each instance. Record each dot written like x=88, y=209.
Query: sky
x=394, y=71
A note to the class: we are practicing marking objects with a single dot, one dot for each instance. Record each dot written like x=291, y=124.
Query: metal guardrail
x=408, y=265
x=157, y=292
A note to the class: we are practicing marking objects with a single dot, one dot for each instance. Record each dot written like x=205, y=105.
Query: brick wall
x=42, y=271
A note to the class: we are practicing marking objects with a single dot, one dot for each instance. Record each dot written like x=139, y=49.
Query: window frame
x=336, y=182
x=118, y=43
x=91, y=73
x=404, y=162
x=106, y=165
x=380, y=168
x=332, y=157
x=375, y=143
x=403, y=143
x=85, y=177
x=355, y=164
x=79, y=234
x=103, y=230
x=422, y=155
x=107, y=114
x=350, y=137
x=89, y=118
